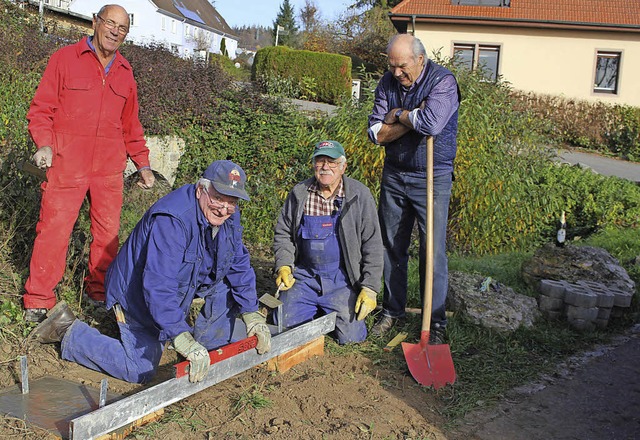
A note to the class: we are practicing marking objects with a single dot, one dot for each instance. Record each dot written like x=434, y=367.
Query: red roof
x=591, y=13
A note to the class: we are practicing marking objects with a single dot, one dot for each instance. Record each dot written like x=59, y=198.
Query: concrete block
x=552, y=315
x=553, y=288
x=604, y=313
x=617, y=312
x=592, y=285
x=621, y=298
x=582, y=324
x=577, y=296
x=606, y=299
x=586, y=313
x=601, y=323
x=549, y=303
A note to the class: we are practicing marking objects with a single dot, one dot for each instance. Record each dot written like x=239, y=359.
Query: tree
x=287, y=36
x=368, y=4
x=309, y=16
x=365, y=35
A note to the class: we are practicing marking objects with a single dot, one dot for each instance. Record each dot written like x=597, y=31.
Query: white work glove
x=196, y=354
x=285, y=279
x=366, y=303
x=43, y=158
x=257, y=325
x=147, y=179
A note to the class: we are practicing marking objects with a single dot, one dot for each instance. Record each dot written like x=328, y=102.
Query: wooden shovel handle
x=428, y=273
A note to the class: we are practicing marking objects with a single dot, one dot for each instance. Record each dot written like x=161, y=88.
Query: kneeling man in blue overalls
x=187, y=245
x=328, y=248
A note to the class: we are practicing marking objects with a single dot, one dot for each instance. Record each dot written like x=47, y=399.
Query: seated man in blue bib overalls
x=328, y=248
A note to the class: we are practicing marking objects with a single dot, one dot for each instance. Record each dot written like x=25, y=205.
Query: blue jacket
x=159, y=269
x=409, y=152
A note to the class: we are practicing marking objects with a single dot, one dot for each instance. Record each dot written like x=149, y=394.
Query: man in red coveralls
x=84, y=121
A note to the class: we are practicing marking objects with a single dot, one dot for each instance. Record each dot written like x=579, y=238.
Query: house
x=187, y=27
x=578, y=49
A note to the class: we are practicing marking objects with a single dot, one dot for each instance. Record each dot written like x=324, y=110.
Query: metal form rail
x=126, y=411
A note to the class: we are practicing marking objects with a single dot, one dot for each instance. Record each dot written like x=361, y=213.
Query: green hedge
x=317, y=76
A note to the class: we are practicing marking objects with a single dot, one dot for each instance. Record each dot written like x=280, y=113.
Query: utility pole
x=41, y=12
x=278, y=30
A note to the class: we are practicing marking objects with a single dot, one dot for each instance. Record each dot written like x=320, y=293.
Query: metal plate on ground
x=51, y=403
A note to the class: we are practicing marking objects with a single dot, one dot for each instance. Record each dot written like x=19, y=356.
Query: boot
x=53, y=328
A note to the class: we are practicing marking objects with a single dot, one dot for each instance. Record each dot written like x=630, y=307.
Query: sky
x=264, y=12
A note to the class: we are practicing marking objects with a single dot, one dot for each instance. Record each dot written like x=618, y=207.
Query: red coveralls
x=90, y=120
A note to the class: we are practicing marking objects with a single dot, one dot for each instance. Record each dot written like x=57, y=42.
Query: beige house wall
x=547, y=61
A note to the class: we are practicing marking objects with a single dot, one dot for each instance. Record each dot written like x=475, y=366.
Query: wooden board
x=285, y=361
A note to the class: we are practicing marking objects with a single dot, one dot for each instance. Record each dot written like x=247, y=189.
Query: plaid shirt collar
x=317, y=205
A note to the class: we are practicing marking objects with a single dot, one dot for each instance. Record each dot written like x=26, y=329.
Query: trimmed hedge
x=323, y=76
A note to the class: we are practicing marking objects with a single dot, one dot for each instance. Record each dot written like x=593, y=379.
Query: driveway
x=602, y=165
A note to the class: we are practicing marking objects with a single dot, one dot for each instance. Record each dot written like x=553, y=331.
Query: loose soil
x=350, y=396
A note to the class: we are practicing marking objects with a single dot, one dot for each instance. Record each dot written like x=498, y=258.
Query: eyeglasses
x=216, y=202
x=319, y=163
x=110, y=24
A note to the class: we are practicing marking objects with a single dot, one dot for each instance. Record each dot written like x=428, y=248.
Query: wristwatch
x=398, y=114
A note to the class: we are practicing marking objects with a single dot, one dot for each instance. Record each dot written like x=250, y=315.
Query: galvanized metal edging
x=134, y=407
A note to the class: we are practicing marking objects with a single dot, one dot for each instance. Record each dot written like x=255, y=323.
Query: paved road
x=603, y=165
x=592, y=397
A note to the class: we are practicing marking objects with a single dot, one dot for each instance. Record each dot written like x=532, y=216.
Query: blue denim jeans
x=403, y=199
x=135, y=356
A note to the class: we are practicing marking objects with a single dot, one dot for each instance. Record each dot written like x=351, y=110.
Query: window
x=173, y=26
x=607, y=72
x=163, y=24
x=131, y=22
x=478, y=56
x=186, y=29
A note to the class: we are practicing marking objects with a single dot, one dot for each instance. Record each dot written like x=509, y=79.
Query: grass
x=489, y=363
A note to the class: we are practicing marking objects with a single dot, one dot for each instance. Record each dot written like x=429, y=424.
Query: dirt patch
x=346, y=395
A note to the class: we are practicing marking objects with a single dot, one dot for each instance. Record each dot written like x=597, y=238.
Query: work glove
x=257, y=325
x=43, y=158
x=366, y=303
x=147, y=179
x=285, y=279
x=196, y=354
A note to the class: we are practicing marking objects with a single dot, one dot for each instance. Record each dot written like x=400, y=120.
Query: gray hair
x=204, y=183
x=416, y=45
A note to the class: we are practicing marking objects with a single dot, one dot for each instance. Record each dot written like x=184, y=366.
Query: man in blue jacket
x=328, y=250
x=187, y=245
x=415, y=99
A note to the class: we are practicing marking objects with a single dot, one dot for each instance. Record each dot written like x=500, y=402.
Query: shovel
x=430, y=365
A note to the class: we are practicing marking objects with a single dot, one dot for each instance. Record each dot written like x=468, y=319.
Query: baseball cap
x=227, y=178
x=333, y=149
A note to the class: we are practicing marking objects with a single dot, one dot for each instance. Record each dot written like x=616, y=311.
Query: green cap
x=333, y=149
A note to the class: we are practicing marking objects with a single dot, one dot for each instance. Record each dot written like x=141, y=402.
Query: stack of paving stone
x=585, y=304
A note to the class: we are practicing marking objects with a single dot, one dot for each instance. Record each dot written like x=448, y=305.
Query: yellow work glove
x=43, y=158
x=366, y=303
x=285, y=278
x=257, y=325
x=196, y=354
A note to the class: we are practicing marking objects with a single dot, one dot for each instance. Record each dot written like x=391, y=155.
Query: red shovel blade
x=219, y=354
x=430, y=365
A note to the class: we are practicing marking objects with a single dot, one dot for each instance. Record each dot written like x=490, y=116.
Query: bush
x=312, y=75
x=611, y=129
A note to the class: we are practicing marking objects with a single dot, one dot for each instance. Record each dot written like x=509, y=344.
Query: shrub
x=314, y=74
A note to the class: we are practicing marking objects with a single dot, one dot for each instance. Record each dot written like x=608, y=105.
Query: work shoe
x=385, y=324
x=437, y=334
x=55, y=326
x=95, y=302
x=34, y=315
